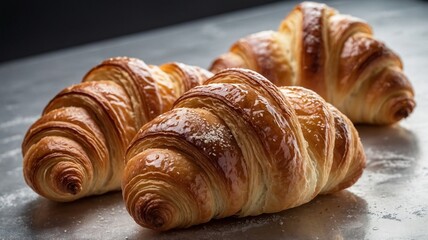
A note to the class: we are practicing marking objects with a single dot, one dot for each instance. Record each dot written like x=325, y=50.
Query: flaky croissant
x=334, y=55
x=238, y=146
x=77, y=147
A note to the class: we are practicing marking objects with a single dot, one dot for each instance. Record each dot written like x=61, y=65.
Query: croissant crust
x=238, y=146
x=77, y=147
x=335, y=55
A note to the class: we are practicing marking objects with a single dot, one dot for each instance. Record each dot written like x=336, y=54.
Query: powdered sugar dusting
x=388, y=160
x=212, y=134
x=15, y=198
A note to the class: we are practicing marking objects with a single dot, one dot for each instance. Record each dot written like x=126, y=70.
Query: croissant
x=77, y=147
x=238, y=146
x=333, y=54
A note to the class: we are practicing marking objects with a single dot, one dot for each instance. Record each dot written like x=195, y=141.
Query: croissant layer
x=77, y=147
x=238, y=146
x=335, y=55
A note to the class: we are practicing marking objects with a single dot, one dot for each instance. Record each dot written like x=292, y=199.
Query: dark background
x=33, y=27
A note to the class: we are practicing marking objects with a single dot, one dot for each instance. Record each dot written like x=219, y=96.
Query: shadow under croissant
x=342, y=215
x=49, y=215
x=393, y=161
x=390, y=149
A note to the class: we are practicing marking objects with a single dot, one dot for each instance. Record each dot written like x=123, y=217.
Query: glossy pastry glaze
x=238, y=146
x=334, y=55
x=77, y=147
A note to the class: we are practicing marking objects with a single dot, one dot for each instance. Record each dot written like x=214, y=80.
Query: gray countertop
x=390, y=201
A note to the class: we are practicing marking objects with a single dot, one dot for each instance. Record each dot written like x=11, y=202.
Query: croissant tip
x=402, y=113
x=71, y=184
x=73, y=188
x=152, y=213
x=405, y=110
x=155, y=220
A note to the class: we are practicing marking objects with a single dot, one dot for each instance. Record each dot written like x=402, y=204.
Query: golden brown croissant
x=238, y=146
x=77, y=147
x=334, y=55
